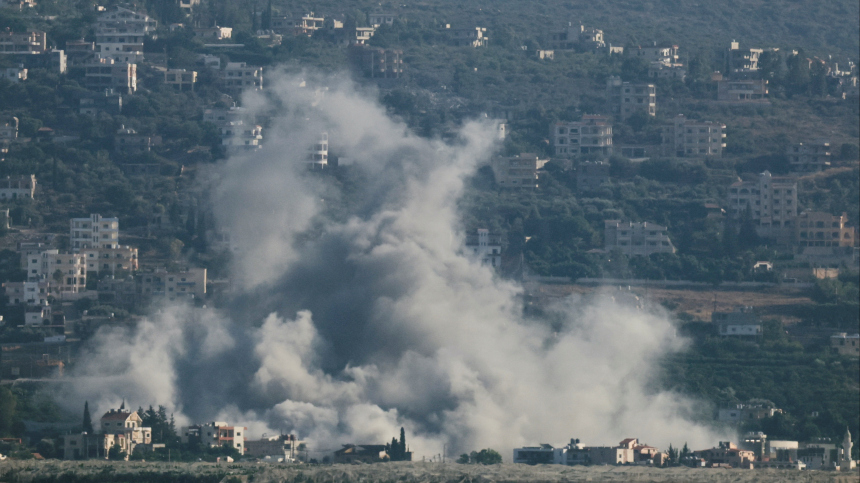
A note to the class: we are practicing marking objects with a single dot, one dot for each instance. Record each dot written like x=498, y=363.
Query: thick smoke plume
x=358, y=314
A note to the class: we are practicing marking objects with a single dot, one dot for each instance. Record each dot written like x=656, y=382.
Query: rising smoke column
x=355, y=320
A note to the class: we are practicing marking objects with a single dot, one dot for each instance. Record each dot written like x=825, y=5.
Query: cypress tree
x=88, y=421
x=402, y=443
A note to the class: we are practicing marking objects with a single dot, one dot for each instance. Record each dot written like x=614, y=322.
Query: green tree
x=88, y=422
x=488, y=456
x=8, y=401
x=463, y=459
x=115, y=453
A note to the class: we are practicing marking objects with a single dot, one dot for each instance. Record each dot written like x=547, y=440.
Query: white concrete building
x=67, y=272
x=485, y=247
x=318, y=152
x=690, y=138
x=239, y=130
x=467, y=37
x=593, y=134
x=177, y=285
x=93, y=232
x=16, y=187
x=215, y=434
x=110, y=260
x=741, y=322
x=640, y=238
x=377, y=19
x=238, y=77
x=120, y=33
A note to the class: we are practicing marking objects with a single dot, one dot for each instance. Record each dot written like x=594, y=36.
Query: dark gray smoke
x=358, y=314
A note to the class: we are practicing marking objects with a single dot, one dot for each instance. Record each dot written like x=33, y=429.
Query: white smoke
x=351, y=326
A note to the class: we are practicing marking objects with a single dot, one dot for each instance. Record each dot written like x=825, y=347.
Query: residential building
x=576, y=37
x=103, y=73
x=545, y=54
x=215, y=434
x=120, y=34
x=128, y=141
x=116, y=427
x=318, y=152
x=214, y=33
x=660, y=70
x=238, y=77
x=817, y=229
x=94, y=231
x=818, y=455
x=16, y=187
x=301, y=25
x=590, y=175
x=771, y=202
x=742, y=61
x=727, y=453
x=29, y=42
x=360, y=453
x=742, y=90
x=467, y=37
x=375, y=62
x=544, y=454
x=845, y=344
x=173, y=285
x=28, y=293
x=14, y=74
x=79, y=53
x=182, y=79
x=519, y=171
x=110, y=260
x=639, y=238
x=239, y=130
x=485, y=247
x=690, y=138
x=361, y=35
x=591, y=135
x=38, y=315
x=746, y=412
x=283, y=447
x=8, y=128
x=665, y=54
x=67, y=271
x=741, y=322
x=377, y=19
x=809, y=157
x=626, y=98
x=91, y=103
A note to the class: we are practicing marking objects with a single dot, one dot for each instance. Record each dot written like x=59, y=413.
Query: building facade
x=741, y=322
x=30, y=42
x=238, y=77
x=215, y=434
x=95, y=231
x=771, y=202
x=690, y=138
x=627, y=98
x=592, y=134
x=110, y=260
x=519, y=171
x=173, y=285
x=809, y=157
x=17, y=187
x=817, y=229
x=486, y=247
x=639, y=238
x=742, y=90
x=120, y=34
x=104, y=73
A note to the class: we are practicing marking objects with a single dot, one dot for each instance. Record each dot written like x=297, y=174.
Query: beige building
x=727, y=454
x=284, y=447
x=772, y=203
x=94, y=231
x=593, y=134
x=809, y=157
x=817, y=229
x=178, y=285
x=519, y=171
x=215, y=434
x=17, y=187
x=30, y=42
x=742, y=90
x=67, y=272
x=690, y=138
x=627, y=98
x=110, y=260
x=636, y=238
x=846, y=345
x=116, y=427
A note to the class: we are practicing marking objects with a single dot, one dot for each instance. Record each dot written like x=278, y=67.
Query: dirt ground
x=27, y=471
x=774, y=302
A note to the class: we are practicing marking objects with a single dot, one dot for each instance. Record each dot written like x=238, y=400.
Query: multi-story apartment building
x=318, y=152
x=742, y=90
x=377, y=63
x=176, y=285
x=110, y=260
x=817, y=229
x=181, y=79
x=215, y=434
x=377, y=19
x=519, y=171
x=593, y=134
x=239, y=130
x=591, y=175
x=237, y=77
x=486, y=247
x=809, y=157
x=66, y=271
x=689, y=138
x=741, y=322
x=116, y=427
x=626, y=98
x=102, y=74
x=120, y=33
x=16, y=187
x=742, y=61
x=129, y=141
x=94, y=232
x=29, y=293
x=576, y=36
x=636, y=238
x=297, y=26
x=771, y=202
x=467, y=37
x=664, y=54
x=30, y=42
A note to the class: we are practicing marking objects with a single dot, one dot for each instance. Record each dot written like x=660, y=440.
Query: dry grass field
x=102, y=471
